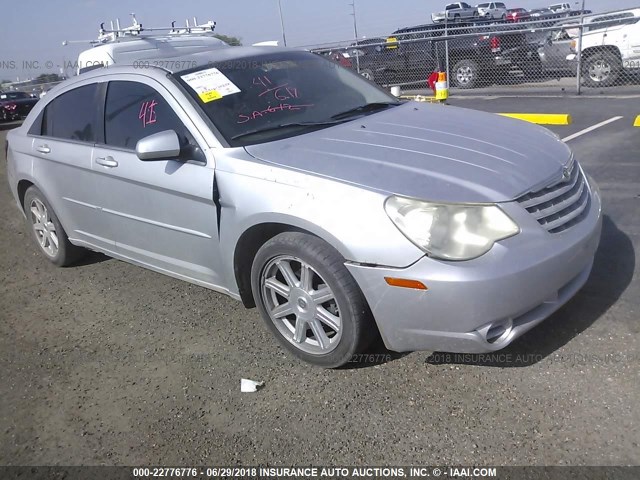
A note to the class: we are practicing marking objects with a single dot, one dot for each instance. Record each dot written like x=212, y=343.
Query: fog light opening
x=499, y=332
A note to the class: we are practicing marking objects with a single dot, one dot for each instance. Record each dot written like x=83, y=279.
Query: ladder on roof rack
x=136, y=30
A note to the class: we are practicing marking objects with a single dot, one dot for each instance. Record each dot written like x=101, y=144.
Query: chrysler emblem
x=566, y=174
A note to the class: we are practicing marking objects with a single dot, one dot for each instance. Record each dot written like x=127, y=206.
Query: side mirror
x=159, y=146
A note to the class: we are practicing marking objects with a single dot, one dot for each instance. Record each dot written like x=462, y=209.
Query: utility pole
x=355, y=32
x=284, y=37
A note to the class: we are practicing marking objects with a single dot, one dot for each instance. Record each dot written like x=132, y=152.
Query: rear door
x=162, y=213
x=62, y=150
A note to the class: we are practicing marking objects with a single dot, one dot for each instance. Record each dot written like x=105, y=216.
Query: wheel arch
x=22, y=187
x=247, y=247
x=588, y=52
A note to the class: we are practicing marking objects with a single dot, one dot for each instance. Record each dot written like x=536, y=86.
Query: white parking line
x=591, y=129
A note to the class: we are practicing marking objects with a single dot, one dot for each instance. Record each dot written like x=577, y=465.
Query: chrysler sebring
x=295, y=186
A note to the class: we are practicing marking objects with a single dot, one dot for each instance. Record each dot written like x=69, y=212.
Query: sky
x=33, y=30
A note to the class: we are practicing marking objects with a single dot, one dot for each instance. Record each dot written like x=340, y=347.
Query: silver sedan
x=292, y=184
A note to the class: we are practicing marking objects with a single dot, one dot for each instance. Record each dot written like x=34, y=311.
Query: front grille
x=561, y=205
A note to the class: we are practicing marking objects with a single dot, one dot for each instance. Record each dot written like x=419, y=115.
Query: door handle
x=43, y=149
x=107, y=162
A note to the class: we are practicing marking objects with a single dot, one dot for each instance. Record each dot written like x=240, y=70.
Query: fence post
x=446, y=47
x=579, y=53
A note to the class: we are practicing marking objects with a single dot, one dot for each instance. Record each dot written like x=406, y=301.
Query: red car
x=518, y=15
x=15, y=105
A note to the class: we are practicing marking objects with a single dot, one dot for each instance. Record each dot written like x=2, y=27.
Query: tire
x=601, y=69
x=347, y=326
x=456, y=18
x=504, y=17
x=368, y=74
x=465, y=74
x=47, y=230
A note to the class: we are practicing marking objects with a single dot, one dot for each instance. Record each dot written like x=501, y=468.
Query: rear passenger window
x=134, y=111
x=73, y=115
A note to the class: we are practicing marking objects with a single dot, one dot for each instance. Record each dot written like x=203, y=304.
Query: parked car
x=575, y=13
x=609, y=48
x=340, y=56
x=8, y=112
x=323, y=201
x=492, y=11
x=557, y=46
x=15, y=105
x=541, y=13
x=456, y=12
x=412, y=53
x=560, y=7
x=518, y=15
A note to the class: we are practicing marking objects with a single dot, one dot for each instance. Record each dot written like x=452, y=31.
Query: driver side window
x=134, y=110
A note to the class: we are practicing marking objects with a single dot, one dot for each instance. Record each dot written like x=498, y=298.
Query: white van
x=137, y=46
x=163, y=51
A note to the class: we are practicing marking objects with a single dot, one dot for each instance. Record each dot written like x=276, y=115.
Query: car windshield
x=278, y=95
x=483, y=5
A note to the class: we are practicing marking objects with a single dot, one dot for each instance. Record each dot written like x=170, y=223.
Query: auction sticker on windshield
x=210, y=84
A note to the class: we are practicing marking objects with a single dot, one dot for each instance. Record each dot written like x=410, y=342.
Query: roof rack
x=136, y=31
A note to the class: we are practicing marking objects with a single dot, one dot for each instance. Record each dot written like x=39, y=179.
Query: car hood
x=433, y=152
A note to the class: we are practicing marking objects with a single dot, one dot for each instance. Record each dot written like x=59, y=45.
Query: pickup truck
x=456, y=12
x=610, y=47
x=411, y=54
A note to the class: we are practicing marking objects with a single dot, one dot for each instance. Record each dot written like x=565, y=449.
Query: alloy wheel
x=464, y=75
x=301, y=305
x=44, y=228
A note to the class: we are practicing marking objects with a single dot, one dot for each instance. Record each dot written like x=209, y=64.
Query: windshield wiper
x=286, y=125
x=368, y=108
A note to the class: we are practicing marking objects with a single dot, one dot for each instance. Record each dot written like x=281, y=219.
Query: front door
x=162, y=213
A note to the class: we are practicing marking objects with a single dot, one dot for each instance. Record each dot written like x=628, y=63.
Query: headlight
x=450, y=231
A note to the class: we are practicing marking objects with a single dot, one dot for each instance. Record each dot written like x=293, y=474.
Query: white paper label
x=210, y=84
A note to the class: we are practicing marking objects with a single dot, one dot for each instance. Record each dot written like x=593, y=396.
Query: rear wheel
x=310, y=301
x=601, y=69
x=466, y=74
x=47, y=230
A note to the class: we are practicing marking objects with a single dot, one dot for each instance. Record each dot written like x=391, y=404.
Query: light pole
x=355, y=32
x=284, y=37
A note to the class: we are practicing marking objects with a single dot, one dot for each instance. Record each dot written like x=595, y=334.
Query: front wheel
x=465, y=74
x=310, y=301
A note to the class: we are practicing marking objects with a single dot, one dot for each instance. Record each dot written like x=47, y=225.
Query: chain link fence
x=557, y=53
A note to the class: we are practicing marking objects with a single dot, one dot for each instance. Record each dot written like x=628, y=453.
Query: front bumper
x=483, y=305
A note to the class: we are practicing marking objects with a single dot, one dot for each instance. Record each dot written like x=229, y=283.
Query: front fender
x=349, y=218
